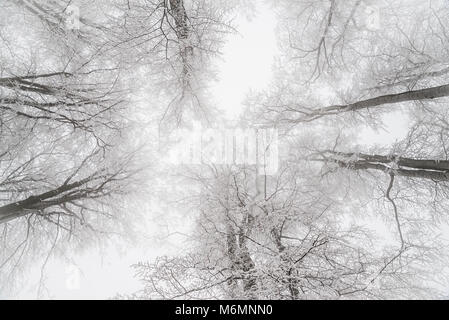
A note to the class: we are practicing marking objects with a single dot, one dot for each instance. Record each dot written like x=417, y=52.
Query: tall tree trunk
x=182, y=31
x=416, y=95
x=292, y=282
x=63, y=194
x=437, y=170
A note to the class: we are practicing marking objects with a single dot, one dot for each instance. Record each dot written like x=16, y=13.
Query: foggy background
x=309, y=69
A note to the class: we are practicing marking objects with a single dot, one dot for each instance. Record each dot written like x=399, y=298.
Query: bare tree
x=291, y=243
x=295, y=114
x=177, y=41
x=65, y=162
x=302, y=233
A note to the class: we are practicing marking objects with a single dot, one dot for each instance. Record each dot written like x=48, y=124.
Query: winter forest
x=224, y=149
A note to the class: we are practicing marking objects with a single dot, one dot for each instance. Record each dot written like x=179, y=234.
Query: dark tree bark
x=416, y=95
x=182, y=30
x=432, y=169
x=58, y=196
